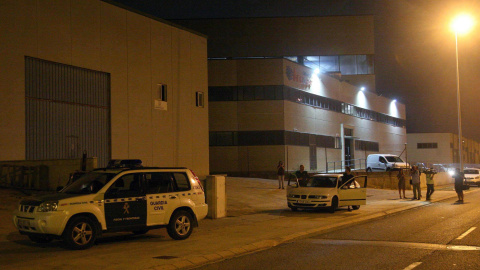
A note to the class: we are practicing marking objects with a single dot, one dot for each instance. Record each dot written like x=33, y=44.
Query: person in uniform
x=430, y=184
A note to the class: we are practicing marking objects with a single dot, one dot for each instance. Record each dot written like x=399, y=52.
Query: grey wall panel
x=67, y=111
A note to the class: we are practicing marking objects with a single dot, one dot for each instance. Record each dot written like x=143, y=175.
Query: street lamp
x=461, y=24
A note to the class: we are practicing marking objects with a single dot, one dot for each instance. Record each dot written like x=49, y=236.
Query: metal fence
x=339, y=166
x=24, y=177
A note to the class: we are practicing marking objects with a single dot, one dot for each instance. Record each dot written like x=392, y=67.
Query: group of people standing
x=415, y=182
x=429, y=174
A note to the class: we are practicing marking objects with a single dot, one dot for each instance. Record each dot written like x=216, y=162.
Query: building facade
x=91, y=76
x=442, y=148
x=299, y=90
x=267, y=110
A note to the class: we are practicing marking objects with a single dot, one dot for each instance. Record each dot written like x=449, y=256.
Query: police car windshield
x=89, y=183
x=393, y=159
x=324, y=181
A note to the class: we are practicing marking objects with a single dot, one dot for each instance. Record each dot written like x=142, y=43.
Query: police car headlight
x=48, y=206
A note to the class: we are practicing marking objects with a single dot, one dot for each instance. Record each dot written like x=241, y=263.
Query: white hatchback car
x=472, y=176
x=115, y=199
x=327, y=191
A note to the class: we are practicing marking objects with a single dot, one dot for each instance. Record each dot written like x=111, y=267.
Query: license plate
x=23, y=223
x=301, y=201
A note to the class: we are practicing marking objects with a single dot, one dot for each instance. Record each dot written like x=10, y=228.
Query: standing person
x=302, y=176
x=459, y=184
x=401, y=183
x=429, y=174
x=347, y=176
x=281, y=174
x=415, y=174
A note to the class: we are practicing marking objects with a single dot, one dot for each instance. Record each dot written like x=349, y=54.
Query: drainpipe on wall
x=342, y=141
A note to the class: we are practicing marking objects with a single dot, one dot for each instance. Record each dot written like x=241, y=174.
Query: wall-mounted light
x=362, y=88
x=394, y=100
x=316, y=71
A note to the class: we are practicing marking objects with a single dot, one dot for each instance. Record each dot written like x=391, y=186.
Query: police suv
x=112, y=200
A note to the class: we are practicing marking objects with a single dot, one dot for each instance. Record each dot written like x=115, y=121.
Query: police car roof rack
x=124, y=163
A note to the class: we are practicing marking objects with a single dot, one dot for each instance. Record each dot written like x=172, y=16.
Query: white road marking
x=466, y=233
x=425, y=246
x=413, y=265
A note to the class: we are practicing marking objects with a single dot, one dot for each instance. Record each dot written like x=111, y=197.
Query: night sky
x=414, y=49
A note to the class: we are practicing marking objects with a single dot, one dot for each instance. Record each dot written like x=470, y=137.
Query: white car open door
x=353, y=192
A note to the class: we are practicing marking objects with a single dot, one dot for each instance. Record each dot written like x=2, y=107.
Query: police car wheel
x=180, y=225
x=80, y=233
x=41, y=239
x=355, y=207
x=138, y=232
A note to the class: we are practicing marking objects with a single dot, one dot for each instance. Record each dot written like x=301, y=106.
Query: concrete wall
x=57, y=172
x=137, y=51
x=388, y=180
x=258, y=161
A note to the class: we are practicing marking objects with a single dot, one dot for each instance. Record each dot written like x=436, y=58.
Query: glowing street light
x=462, y=24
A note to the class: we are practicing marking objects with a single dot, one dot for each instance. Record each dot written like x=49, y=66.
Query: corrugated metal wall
x=67, y=111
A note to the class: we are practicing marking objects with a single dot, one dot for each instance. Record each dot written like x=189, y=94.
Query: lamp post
x=460, y=25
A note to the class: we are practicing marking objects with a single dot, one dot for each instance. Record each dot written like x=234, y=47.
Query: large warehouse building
x=91, y=76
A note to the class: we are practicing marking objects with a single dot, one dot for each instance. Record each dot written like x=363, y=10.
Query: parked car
x=115, y=199
x=327, y=191
x=472, y=176
x=385, y=162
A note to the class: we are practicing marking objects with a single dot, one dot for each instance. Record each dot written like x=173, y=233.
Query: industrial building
x=92, y=76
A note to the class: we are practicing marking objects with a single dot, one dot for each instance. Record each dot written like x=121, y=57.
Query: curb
x=197, y=261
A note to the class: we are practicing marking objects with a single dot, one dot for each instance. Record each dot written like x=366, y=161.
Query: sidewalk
x=258, y=218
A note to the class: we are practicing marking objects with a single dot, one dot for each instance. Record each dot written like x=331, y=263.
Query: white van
x=385, y=162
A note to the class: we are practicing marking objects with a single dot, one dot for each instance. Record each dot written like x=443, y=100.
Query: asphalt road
x=442, y=235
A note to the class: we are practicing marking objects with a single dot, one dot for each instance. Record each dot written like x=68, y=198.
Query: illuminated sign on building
x=301, y=78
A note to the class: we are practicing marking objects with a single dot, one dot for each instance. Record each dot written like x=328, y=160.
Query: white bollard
x=216, y=197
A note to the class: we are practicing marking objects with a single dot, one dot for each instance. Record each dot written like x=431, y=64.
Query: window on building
x=162, y=92
x=338, y=142
x=348, y=65
x=364, y=64
x=199, y=99
x=329, y=63
x=311, y=61
x=426, y=145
